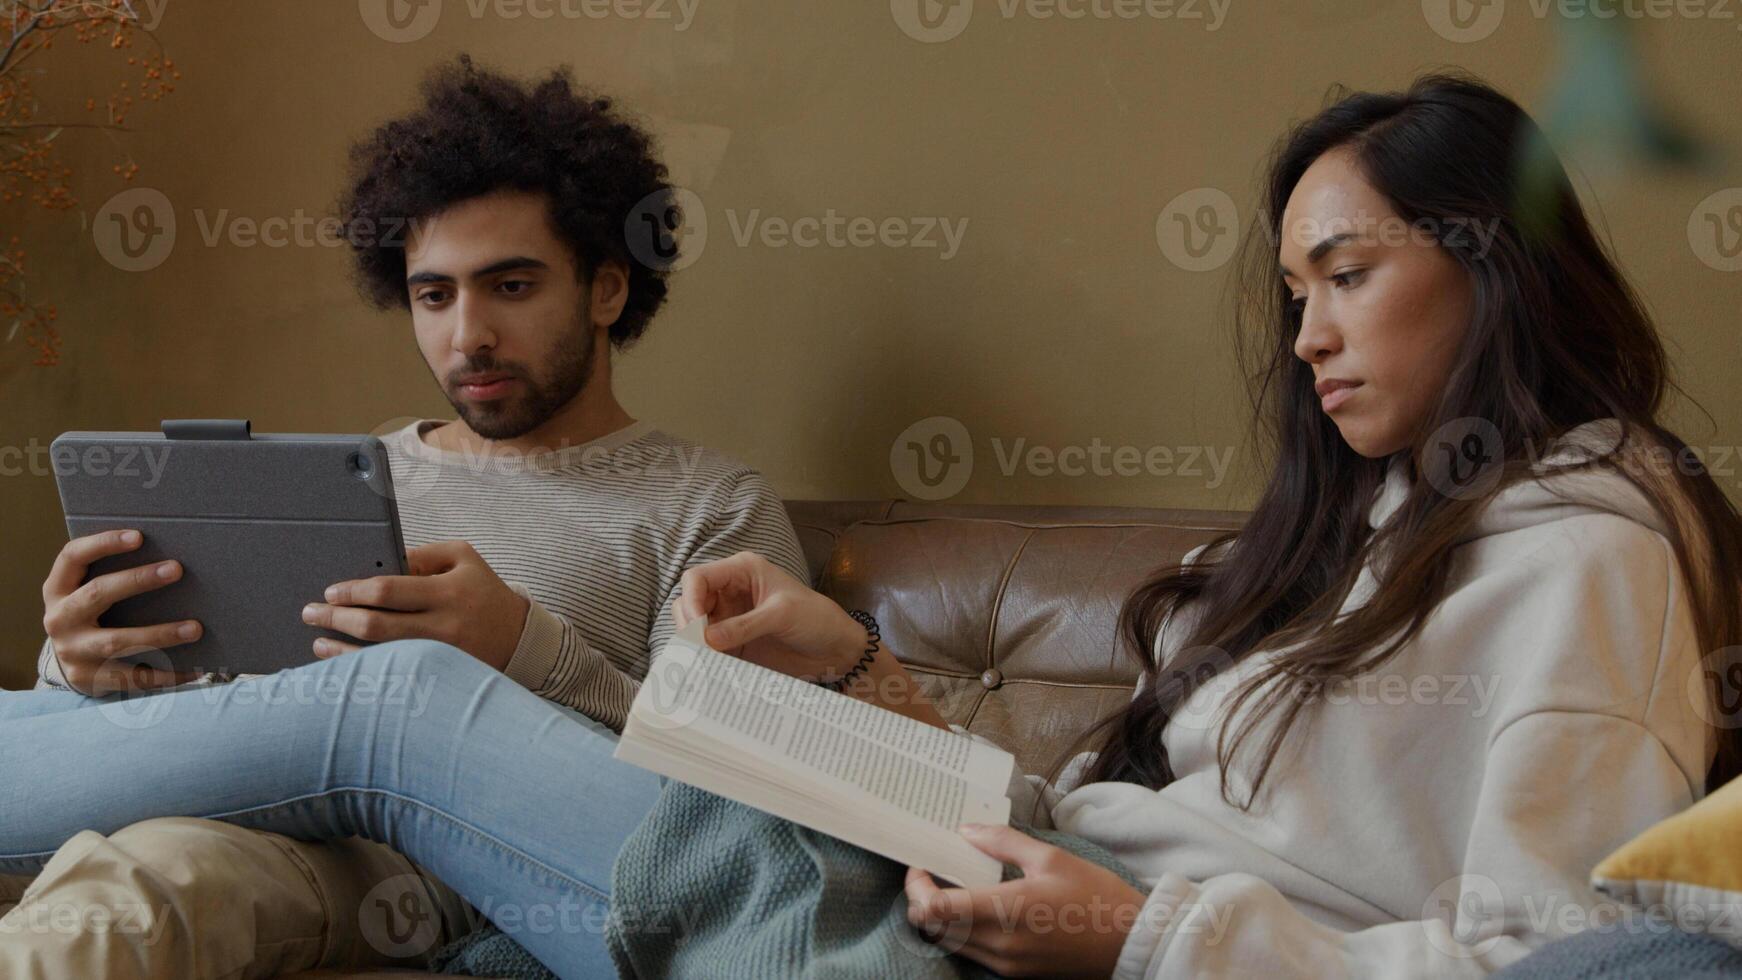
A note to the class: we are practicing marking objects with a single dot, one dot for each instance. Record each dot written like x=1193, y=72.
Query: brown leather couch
x=1005, y=613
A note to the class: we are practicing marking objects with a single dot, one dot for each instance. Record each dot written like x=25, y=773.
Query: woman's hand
x=758, y=612
x=1067, y=918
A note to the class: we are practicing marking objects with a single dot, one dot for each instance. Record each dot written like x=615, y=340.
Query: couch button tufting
x=991, y=679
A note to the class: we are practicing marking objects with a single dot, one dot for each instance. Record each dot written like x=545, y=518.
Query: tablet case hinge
x=206, y=429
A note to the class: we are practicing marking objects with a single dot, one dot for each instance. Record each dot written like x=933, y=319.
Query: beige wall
x=1059, y=321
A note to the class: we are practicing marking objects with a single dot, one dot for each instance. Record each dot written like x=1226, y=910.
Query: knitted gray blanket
x=706, y=887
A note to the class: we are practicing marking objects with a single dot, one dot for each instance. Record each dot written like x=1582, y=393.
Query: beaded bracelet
x=872, y=633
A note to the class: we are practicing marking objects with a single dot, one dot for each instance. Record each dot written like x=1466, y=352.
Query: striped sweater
x=595, y=536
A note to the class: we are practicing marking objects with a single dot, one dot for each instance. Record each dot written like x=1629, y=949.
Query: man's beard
x=570, y=364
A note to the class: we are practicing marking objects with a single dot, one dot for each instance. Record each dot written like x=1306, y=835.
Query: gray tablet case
x=261, y=524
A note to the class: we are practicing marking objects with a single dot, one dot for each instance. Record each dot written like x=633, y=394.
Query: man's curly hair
x=479, y=131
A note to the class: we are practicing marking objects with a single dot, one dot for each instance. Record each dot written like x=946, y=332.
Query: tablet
x=261, y=524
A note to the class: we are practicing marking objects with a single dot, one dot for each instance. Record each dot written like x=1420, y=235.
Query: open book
x=849, y=769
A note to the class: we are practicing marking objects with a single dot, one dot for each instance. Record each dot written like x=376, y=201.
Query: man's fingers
x=326, y=648
x=436, y=557
x=407, y=593
x=91, y=600
x=76, y=556
x=110, y=644
x=118, y=678
x=371, y=625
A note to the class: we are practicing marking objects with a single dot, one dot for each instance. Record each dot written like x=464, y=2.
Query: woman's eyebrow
x=1324, y=248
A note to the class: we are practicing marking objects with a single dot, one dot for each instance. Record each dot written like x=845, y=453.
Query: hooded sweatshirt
x=1440, y=816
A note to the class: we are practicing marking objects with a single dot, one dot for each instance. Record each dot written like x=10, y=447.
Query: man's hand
x=88, y=653
x=1067, y=917
x=451, y=595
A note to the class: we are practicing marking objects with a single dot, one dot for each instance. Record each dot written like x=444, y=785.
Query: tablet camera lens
x=361, y=466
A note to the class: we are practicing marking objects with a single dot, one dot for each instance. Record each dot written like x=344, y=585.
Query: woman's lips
x=487, y=391
x=1334, y=398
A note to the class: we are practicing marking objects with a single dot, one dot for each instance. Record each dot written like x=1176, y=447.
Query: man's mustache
x=472, y=370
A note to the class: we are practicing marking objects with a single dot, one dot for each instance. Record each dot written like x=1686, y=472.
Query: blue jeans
x=512, y=801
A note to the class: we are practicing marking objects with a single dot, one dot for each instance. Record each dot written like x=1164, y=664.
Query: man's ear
x=609, y=292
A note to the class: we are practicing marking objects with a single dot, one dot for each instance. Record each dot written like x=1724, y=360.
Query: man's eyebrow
x=505, y=265
x=1322, y=248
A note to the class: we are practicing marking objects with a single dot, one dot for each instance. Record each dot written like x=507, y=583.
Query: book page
x=936, y=775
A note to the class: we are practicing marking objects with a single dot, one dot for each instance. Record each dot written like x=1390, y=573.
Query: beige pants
x=185, y=899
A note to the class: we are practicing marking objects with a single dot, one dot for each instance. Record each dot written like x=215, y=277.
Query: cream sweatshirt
x=1441, y=817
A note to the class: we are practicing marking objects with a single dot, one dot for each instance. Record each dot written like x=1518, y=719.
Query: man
x=546, y=529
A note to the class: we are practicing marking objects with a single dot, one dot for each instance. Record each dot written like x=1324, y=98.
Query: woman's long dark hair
x=1556, y=338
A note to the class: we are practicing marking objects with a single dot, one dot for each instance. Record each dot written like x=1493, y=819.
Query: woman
x=1470, y=485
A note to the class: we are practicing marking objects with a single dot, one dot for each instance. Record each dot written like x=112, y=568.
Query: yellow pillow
x=1691, y=860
